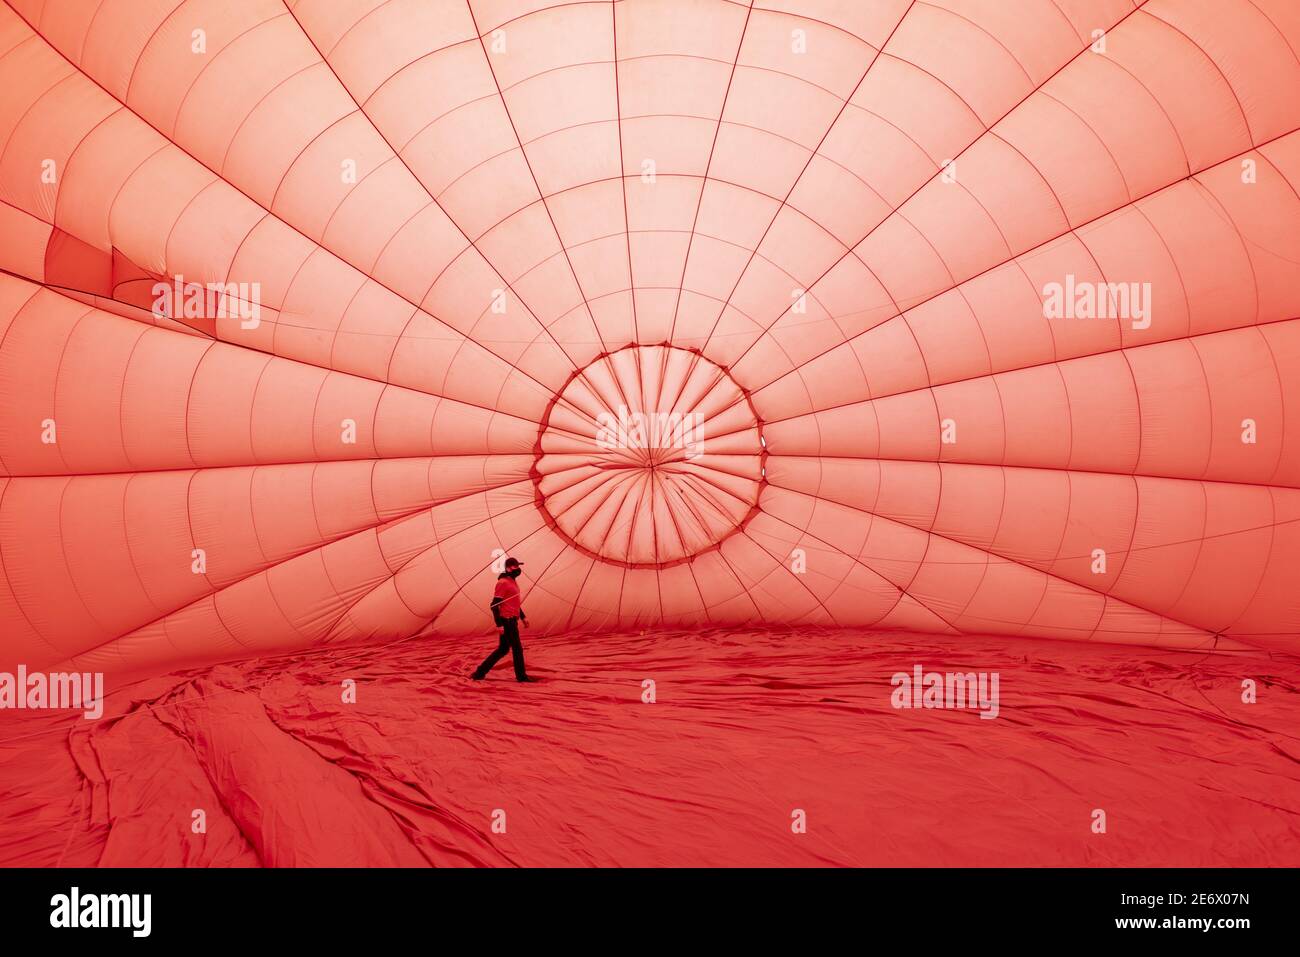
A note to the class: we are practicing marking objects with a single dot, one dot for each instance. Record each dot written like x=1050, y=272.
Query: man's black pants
x=509, y=642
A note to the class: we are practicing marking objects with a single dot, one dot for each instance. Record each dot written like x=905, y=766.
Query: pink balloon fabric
x=959, y=317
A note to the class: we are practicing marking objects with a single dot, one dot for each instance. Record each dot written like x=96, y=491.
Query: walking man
x=507, y=612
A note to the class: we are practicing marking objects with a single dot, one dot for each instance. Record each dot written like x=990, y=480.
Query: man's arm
x=522, y=616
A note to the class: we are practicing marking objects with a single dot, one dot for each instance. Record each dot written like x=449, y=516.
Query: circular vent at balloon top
x=648, y=456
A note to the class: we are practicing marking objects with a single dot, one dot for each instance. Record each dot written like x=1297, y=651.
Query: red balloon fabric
x=750, y=733
x=981, y=318
x=960, y=318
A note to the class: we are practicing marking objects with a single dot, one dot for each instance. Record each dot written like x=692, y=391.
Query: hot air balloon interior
x=894, y=406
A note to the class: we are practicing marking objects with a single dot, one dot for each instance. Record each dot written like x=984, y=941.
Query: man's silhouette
x=507, y=612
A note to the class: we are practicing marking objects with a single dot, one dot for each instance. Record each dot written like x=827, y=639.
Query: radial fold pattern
x=951, y=316
x=674, y=466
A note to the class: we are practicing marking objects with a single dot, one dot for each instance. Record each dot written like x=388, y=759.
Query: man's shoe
x=477, y=677
x=528, y=678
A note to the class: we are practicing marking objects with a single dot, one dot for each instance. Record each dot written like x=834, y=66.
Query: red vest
x=508, y=592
